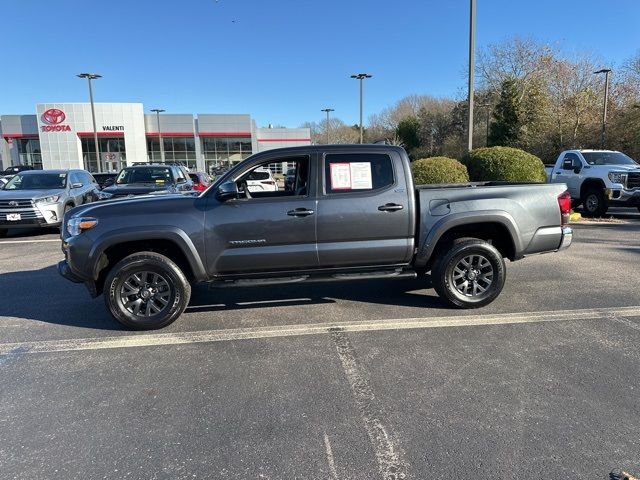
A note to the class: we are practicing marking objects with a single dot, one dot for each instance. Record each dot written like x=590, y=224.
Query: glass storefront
x=112, y=153
x=180, y=150
x=29, y=152
x=223, y=152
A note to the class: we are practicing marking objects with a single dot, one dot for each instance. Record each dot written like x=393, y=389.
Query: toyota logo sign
x=13, y=204
x=53, y=116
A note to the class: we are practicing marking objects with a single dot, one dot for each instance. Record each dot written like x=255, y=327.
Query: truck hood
x=135, y=189
x=612, y=168
x=134, y=205
x=32, y=194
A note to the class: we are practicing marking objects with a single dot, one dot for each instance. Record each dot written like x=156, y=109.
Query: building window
x=112, y=153
x=223, y=152
x=180, y=150
x=29, y=152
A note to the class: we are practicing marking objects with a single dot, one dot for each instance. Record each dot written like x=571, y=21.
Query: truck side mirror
x=108, y=182
x=227, y=191
x=577, y=168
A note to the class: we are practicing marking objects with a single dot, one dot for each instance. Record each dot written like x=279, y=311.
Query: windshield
x=608, y=158
x=158, y=176
x=37, y=181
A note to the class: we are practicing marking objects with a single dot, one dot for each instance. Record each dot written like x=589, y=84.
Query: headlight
x=618, y=177
x=76, y=225
x=50, y=199
x=104, y=195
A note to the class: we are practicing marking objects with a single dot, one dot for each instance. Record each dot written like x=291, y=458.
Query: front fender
x=158, y=232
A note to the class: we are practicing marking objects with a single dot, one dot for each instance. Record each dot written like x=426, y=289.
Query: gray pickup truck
x=352, y=213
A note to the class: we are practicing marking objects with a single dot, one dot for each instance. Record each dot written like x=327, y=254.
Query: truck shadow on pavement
x=44, y=296
x=62, y=303
x=402, y=293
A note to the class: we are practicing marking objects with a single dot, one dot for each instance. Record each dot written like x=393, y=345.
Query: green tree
x=505, y=128
x=407, y=132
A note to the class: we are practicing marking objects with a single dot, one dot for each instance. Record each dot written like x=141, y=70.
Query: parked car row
x=40, y=198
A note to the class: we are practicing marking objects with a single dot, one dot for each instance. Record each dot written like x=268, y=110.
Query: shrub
x=438, y=170
x=504, y=164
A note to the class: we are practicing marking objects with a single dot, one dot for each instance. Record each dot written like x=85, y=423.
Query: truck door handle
x=300, y=212
x=390, y=207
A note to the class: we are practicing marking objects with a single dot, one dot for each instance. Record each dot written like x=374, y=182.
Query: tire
x=594, y=203
x=480, y=289
x=144, y=282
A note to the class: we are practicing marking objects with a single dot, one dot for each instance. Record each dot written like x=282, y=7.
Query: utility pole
x=606, y=72
x=89, y=77
x=158, y=111
x=472, y=48
x=361, y=77
x=327, y=110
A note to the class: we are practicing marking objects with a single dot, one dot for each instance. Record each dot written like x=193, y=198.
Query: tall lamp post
x=89, y=77
x=472, y=48
x=158, y=112
x=327, y=110
x=361, y=77
x=606, y=72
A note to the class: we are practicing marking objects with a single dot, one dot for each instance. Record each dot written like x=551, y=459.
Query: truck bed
x=527, y=213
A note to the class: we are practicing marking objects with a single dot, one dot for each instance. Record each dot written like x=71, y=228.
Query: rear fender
x=428, y=244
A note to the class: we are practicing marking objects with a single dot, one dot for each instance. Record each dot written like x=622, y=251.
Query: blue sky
x=280, y=60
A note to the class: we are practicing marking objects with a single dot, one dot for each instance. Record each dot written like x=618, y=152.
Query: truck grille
x=633, y=180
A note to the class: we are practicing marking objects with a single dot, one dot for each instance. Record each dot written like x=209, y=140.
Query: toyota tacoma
x=352, y=213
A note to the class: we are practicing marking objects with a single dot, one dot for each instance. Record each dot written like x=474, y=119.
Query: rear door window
x=357, y=172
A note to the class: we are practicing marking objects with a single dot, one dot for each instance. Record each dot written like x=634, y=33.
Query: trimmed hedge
x=504, y=164
x=438, y=170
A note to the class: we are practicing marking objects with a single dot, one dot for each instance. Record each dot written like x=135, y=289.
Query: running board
x=313, y=278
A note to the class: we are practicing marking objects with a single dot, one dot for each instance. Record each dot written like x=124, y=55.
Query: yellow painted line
x=184, y=338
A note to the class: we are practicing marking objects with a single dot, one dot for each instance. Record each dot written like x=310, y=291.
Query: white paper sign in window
x=340, y=176
x=361, y=175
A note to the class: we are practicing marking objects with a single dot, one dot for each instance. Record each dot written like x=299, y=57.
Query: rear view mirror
x=227, y=191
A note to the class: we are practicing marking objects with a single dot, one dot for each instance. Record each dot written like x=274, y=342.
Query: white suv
x=261, y=180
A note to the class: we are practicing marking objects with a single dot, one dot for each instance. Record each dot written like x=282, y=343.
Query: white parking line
x=182, y=338
x=45, y=240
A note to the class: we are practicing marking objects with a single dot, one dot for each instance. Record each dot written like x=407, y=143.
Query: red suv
x=201, y=181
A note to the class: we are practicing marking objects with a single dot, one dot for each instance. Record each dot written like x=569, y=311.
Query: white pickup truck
x=598, y=179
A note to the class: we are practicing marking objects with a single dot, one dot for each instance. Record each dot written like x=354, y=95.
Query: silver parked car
x=39, y=198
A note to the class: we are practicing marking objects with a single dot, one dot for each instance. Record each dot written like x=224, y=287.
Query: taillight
x=564, y=202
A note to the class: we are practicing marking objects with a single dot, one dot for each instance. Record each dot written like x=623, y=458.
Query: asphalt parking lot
x=341, y=381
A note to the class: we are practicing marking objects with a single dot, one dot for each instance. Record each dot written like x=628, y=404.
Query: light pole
x=606, y=72
x=472, y=48
x=158, y=112
x=361, y=77
x=89, y=77
x=327, y=110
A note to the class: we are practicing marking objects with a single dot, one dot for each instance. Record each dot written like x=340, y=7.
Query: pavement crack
x=388, y=454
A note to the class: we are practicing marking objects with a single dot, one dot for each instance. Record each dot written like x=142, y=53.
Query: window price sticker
x=351, y=176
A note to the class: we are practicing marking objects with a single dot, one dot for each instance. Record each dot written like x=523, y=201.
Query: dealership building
x=61, y=135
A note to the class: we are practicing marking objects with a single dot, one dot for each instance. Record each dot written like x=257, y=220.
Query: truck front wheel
x=470, y=274
x=146, y=290
x=594, y=203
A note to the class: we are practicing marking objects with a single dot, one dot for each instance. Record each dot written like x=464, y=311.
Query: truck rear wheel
x=470, y=274
x=146, y=291
x=594, y=203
